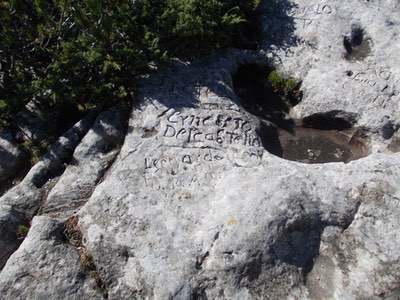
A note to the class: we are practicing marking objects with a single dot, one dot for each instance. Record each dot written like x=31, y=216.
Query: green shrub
x=287, y=88
x=89, y=52
x=22, y=231
x=277, y=82
x=280, y=83
x=35, y=151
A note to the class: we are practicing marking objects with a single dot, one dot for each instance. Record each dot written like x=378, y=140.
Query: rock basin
x=313, y=146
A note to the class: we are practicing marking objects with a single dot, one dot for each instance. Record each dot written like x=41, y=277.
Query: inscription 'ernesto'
x=213, y=129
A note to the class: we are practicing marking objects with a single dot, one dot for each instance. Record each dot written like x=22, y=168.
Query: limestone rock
x=307, y=39
x=10, y=220
x=23, y=201
x=212, y=198
x=90, y=161
x=362, y=262
x=195, y=207
x=25, y=197
x=46, y=266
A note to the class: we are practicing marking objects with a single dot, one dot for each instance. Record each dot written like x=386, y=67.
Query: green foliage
x=287, y=88
x=277, y=82
x=22, y=231
x=89, y=52
x=35, y=151
x=281, y=84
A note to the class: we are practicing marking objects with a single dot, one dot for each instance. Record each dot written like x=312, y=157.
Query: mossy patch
x=22, y=231
x=34, y=151
x=287, y=87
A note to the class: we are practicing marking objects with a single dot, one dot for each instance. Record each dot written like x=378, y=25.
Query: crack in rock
x=74, y=237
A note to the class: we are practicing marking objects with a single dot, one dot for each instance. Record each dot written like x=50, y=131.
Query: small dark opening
x=356, y=44
x=357, y=35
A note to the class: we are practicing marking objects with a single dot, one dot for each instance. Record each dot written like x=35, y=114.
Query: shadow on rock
x=298, y=244
x=278, y=24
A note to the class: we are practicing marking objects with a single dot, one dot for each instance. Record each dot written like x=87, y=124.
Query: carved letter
x=191, y=130
x=181, y=132
x=327, y=9
x=208, y=156
x=385, y=75
x=317, y=9
x=195, y=136
x=220, y=140
x=219, y=120
x=187, y=159
x=155, y=164
x=183, y=120
x=210, y=136
x=205, y=120
x=230, y=134
x=218, y=157
x=171, y=116
x=256, y=142
x=197, y=123
x=146, y=164
x=246, y=127
x=237, y=123
x=307, y=22
x=169, y=131
x=237, y=139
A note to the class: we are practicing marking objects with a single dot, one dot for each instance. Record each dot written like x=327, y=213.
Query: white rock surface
x=306, y=40
x=46, y=267
x=192, y=212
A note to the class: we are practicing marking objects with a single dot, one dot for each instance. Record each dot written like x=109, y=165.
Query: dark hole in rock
x=388, y=130
x=356, y=44
x=357, y=35
x=320, y=138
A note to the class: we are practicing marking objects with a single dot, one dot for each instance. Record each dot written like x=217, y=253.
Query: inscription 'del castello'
x=212, y=129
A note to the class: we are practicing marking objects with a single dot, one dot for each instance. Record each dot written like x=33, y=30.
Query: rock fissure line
x=200, y=260
x=92, y=159
x=74, y=237
x=116, y=157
